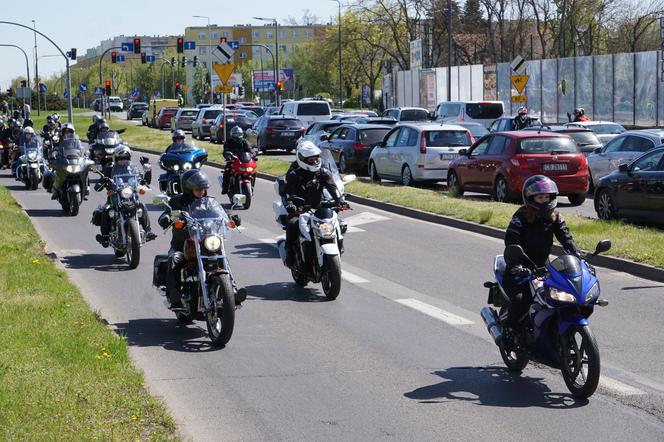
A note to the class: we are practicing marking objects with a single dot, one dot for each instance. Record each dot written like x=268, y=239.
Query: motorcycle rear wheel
x=515, y=359
x=331, y=277
x=221, y=318
x=133, y=243
x=580, y=361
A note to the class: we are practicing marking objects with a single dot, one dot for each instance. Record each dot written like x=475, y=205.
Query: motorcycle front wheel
x=221, y=317
x=580, y=361
x=74, y=203
x=247, y=191
x=34, y=181
x=133, y=243
x=331, y=276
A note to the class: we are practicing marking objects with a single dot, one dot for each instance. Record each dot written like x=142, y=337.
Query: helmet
x=193, y=179
x=17, y=114
x=100, y=121
x=579, y=111
x=522, y=111
x=540, y=185
x=68, y=129
x=94, y=118
x=122, y=152
x=28, y=123
x=13, y=123
x=236, y=133
x=308, y=156
x=29, y=130
x=178, y=133
x=104, y=125
x=49, y=119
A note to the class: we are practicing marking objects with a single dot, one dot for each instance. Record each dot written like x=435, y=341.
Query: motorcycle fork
x=201, y=272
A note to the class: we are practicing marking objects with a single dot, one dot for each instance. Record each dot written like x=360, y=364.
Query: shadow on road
x=256, y=250
x=493, y=387
x=45, y=213
x=286, y=291
x=166, y=333
x=101, y=262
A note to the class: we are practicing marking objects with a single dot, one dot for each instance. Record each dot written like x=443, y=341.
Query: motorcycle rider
x=94, y=128
x=306, y=179
x=178, y=140
x=195, y=184
x=10, y=135
x=533, y=227
x=122, y=165
x=521, y=121
x=579, y=115
x=28, y=123
x=234, y=147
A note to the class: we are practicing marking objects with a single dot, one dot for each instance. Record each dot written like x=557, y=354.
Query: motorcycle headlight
x=32, y=156
x=111, y=213
x=73, y=168
x=212, y=243
x=326, y=229
x=109, y=151
x=197, y=165
x=176, y=167
x=592, y=293
x=126, y=193
x=186, y=166
x=561, y=296
x=250, y=169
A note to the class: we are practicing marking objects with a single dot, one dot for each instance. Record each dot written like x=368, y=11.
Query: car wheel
x=577, y=199
x=373, y=173
x=407, y=176
x=194, y=135
x=454, y=188
x=343, y=166
x=604, y=205
x=501, y=191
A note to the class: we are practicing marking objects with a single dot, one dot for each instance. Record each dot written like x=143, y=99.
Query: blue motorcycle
x=555, y=331
x=176, y=161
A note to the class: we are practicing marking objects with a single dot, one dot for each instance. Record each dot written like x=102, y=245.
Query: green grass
x=640, y=244
x=63, y=374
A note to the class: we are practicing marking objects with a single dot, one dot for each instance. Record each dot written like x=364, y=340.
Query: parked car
x=136, y=109
x=634, y=191
x=275, y=132
x=315, y=130
x=200, y=128
x=244, y=119
x=499, y=163
x=183, y=118
x=621, y=150
x=351, y=144
x=163, y=119
x=585, y=139
x=407, y=114
x=413, y=153
x=388, y=121
x=476, y=129
x=605, y=130
x=506, y=123
x=483, y=112
x=115, y=104
x=144, y=118
x=307, y=111
x=155, y=105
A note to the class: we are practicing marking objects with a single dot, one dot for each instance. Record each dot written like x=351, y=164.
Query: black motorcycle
x=101, y=151
x=176, y=161
x=68, y=180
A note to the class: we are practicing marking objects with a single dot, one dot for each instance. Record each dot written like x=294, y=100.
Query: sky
x=77, y=24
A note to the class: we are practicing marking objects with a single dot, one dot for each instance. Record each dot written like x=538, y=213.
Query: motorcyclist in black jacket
x=533, y=227
x=178, y=138
x=194, y=184
x=521, y=121
x=95, y=127
x=236, y=145
x=306, y=179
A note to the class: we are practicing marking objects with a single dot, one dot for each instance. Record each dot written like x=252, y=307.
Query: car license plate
x=554, y=166
x=449, y=156
x=288, y=134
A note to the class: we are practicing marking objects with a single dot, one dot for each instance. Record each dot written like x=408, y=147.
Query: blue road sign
x=43, y=88
x=65, y=93
x=151, y=58
x=83, y=87
x=157, y=94
x=189, y=45
x=120, y=58
x=127, y=47
x=99, y=90
x=233, y=44
x=134, y=94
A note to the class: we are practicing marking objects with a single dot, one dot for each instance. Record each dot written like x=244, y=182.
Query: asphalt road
x=401, y=354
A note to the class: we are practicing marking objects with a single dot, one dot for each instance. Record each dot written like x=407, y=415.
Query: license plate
x=449, y=156
x=554, y=166
x=288, y=134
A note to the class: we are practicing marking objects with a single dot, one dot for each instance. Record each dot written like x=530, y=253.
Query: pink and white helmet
x=540, y=185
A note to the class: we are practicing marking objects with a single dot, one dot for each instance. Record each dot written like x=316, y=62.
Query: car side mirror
x=597, y=150
x=324, y=137
x=463, y=152
x=623, y=168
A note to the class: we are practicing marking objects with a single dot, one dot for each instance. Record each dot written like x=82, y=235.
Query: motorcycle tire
x=299, y=278
x=575, y=354
x=74, y=203
x=514, y=360
x=133, y=243
x=331, y=277
x=221, y=318
x=34, y=181
x=248, y=193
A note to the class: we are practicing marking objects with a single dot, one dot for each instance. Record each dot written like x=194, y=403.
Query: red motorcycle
x=242, y=177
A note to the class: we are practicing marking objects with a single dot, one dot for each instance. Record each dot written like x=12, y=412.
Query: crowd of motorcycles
x=555, y=333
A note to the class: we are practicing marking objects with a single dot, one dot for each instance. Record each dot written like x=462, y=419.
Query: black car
x=352, y=143
x=376, y=120
x=233, y=118
x=585, y=139
x=275, y=132
x=136, y=110
x=634, y=191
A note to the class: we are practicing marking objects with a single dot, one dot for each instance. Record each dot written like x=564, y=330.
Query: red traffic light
x=180, y=45
x=114, y=57
x=137, y=46
x=108, y=83
x=177, y=84
x=143, y=58
x=108, y=87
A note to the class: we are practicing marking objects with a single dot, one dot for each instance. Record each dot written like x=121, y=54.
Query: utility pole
x=34, y=27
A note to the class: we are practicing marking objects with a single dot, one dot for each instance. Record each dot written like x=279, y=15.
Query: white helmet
x=308, y=156
x=28, y=130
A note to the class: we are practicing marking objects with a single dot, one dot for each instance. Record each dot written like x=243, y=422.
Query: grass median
x=641, y=244
x=63, y=374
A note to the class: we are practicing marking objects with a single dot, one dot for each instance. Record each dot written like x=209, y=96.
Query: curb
x=618, y=264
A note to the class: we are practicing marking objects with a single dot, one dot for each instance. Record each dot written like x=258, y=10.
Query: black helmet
x=101, y=121
x=17, y=114
x=49, y=119
x=236, y=133
x=178, y=133
x=28, y=123
x=193, y=179
x=104, y=125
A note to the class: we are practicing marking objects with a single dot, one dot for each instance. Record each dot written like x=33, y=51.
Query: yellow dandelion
x=35, y=261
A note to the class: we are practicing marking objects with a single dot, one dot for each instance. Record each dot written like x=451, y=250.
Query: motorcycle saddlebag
x=159, y=270
x=48, y=181
x=96, y=216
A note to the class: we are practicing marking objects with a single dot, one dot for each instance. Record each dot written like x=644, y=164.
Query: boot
x=103, y=240
x=150, y=235
x=174, y=298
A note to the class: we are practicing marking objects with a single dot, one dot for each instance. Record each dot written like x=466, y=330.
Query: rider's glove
x=521, y=271
x=291, y=208
x=164, y=220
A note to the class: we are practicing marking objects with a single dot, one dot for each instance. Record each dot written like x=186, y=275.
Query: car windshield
x=414, y=115
x=140, y=106
x=484, y=110
x=373, y=136
x=285, y=123
x=604, y=129
x=189, y=113
x=547, y=145
x=313, y=108
x=584, y=138
x=211, y=114
x=477, y=130
x=567, y=264
x=443, y=138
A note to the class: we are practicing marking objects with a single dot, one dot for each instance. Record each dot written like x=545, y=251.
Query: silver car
x=315, y=130
x=183, y=118
x=622, y=150
x=413, y=153
x=200, y=128
x=605, y=130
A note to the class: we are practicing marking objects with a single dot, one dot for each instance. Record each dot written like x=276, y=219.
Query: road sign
x=23, y=92
x=223, y=71
x=223, y=89
x=134, y=94
x=189, y=45
x=519, y=82
x=151, y=58
x=43, y=88
x=519, y=99
x=223, y=52
x=83, y=87
x=234, y=44
x=65, y=93
x=519, y=65
x=127, y=47
x=119, y=57
x=99, y=90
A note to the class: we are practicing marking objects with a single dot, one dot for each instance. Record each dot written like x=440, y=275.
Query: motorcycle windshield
x=182, y=147
x=567, y=265
x=108, y=139
x=124, y=169
x=128, y=180
x=70, y=149
x=245, y=157
x=211, y=216
x=327, y=161
x=33, y=143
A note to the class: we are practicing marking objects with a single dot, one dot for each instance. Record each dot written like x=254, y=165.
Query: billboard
x=263, y=81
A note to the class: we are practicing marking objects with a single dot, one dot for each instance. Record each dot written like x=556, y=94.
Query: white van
x=483, y=112
x=307, y=112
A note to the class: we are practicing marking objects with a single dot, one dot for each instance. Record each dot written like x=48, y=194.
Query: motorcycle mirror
x=121, y=131
x=513, y=253
x=239, y=199
x=160, y=200
x=349, y=178
x=603, y=246
x=144, y=160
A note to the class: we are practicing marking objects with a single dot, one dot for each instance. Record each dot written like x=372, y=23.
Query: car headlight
x=326, y=229
x=126, y=192
x=73, y=168
x=592, y=293
x=32, y=156
x=197, y=165
x=176, y=167
x=186, y=166
x=212, y=243
x=561, y=296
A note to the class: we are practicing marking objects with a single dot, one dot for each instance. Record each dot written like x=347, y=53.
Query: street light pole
x=449, y=50
x=277, y=71
x=341, y=95
x=34, y=27
x=27, y=67
x=209, y=52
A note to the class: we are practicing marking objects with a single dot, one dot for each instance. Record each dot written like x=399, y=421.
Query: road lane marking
x=619, y=387
x=434, y=312
x=362, y=218
x=353, y=278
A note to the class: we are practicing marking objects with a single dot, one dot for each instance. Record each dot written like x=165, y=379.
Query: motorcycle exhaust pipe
x=491, y=320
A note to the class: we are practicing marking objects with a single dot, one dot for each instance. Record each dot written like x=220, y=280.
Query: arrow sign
x=151, y=58
x=519, y=82
x=234, y=44
x=223, y=71
x=127, y=47
x=43, y=88
x=65, y=93
x=83, y=87
x=120, y=58
x=189, y=45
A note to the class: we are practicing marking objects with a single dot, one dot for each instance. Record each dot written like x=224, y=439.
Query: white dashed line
x=434, y=312
x=352, y=278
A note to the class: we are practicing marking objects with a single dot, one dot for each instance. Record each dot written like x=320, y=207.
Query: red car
x=164, y=116
x=500, y=162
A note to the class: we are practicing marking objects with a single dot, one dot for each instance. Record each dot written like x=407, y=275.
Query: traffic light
x=114, y=57
x=10, y=92
x=183, y=62
x=240, y=91
x=195, y=62
x=108, y=87
x=137, y=46
x=72, y=53
x=24, y=83
x=180, y=48
x=172, y=61
x=143, y=57
x=177, y=86
x=280, y=85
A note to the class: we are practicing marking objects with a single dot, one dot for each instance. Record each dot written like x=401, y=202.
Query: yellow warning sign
x=223, y=89
x=519, y=99
x=519, y=82
x=224, y=71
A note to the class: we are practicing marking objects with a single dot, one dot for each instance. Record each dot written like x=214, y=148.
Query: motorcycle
x=101, y=151
x=4, y=155
x=31, y=167
x=243, y=177
x=69, y=176
x=207, y=287
x=176, y=161
x=51, y=140
x=127, y=234
x=555, y=331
